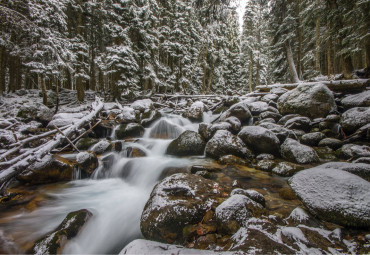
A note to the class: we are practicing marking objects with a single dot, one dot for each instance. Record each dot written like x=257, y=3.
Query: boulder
x=213, y=128
x=354, y=119
x=50, y=169
x=286, y=169
x=150, y=118
x=260, y=140
x=359, y=169
x=334, y=195
x=127, y=115
x=357, y=100
x=270, y=97
x=86, y=143
x=287, y=117
x=224, y=143
x=353, y=151
x=187, y=144
x=232, y=213
x=292, y=150
x=240, y=111
x=300, y=123
x=195, y=112
x=299, y=216
x=235, y=124
x=177, y=201
x=252, y=194
x=87, y=162
x=281, y=132
x=312, y=139
x=129, y=131
x=54, y=242
x=332, y=143
x=258, y=107
x=104, y=128
x=266, y=165
x=38, y=112
x=270, y=115
x=312, y=101
x=233, y=160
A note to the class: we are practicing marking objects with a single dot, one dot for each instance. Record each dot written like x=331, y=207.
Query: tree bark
x=292, y=69
x=250, y=71
x=329, y=58
x=367, y=49
x=2, y=69
x=44, y=92
x=80, y=89
x=317, y=46
x=347, y=66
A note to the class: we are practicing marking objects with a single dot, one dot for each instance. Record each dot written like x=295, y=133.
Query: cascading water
x=116, y=194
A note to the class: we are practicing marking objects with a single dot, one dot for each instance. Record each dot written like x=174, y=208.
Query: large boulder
x=142, y=105
x=258, y=107
x=314, y=101
x=334, y=195
x=37, y=112
x=292, y=150
x=353, y=151
x=300, y=123
x=50, y=169
x=188, y=143
x=281, y=132
x=225, y=143
x=195, y=112
x=355, y=118
x=312, y=139
x=260, y=140
x=359, y=169
x=357, y=100
x=54, y=242
x=240, y=111
x=176, y=202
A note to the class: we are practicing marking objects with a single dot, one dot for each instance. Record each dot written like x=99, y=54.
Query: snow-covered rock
x=300, y=123
x=87, y=162
x=177, y=201
x=294, y=151
x=101, y=147
x=334, y=195
x=313, y=101
x=281, y=132
x=258, y=107
x=233, y=212
x=224, y=143
x=195, y=112
x=126, y=115
x=353, y=151
x=357, y=100
x=188, y=143
x=252, y=194
x=142, y=105
x=235, y=124
x=270, y=115
x=260, y=140
x=332, y=143
x=37, y=112
x=360, y=169
x=141, y=247
x=355, y=118
x=240, y=111
x=286, y=169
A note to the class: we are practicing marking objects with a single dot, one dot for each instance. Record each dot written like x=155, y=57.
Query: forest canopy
x=123, y=47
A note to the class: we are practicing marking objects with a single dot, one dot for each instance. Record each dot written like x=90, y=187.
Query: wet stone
x=286, y=169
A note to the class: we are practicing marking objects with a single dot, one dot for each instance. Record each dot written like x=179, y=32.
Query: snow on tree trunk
x=292, y=69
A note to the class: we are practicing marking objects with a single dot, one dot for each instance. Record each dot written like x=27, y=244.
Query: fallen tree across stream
x=35, y=154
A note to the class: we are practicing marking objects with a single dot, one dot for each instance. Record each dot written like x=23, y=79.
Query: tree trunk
x=292, y=69
x=329, y=58
x=317, y=46
x=80, y=89
x=2, y=70
x=210, y=78
x=367, y=49
x=44, y=92
x=92, y=71
x=347, y=66
x=250, y=71
x=12, y=75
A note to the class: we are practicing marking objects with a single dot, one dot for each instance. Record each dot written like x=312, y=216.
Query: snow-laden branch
x=38, y=153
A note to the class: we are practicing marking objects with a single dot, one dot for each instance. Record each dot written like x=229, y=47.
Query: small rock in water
x=187, y=144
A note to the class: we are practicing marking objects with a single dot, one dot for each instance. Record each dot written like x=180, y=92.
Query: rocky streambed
x=285, y=171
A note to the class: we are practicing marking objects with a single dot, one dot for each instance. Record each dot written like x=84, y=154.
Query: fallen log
x=336, y=86
x=38, y=153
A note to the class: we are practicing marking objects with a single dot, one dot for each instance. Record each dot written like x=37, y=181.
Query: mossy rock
x=54, y=242
x=129, y=131
x=86, y=143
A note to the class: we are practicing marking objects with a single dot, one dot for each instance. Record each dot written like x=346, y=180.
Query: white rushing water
x=115, y=195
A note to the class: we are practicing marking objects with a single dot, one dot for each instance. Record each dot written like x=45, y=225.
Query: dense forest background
x=126, y=47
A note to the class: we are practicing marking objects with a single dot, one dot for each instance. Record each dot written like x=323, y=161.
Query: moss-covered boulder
x=314, y=101
x=87, y=163
x=54, y=242
x=129, y=131
x=50, y=169
x=334, y=195
x=175, y=203
x=195, y=112
x=187, y=144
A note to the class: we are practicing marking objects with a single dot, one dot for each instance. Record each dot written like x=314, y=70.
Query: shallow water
x=117, y=195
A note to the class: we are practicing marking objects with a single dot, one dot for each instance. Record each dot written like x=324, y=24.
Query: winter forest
x=211, y=127
x=147, y=46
